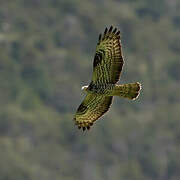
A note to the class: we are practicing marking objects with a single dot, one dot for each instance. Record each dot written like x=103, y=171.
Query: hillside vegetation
x=46, y=53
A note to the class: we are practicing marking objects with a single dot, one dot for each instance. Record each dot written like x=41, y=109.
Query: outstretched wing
x=108, y=60
x=92, y=107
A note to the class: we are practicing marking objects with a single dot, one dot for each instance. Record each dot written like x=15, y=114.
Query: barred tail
x=131, y=90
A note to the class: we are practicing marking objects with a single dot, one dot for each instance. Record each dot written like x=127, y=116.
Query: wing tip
x=115, y=29
x=109, y=33
x=110, y=29
x=100, y=36
x=118, y=33
x=83, y=125
x=105, y=31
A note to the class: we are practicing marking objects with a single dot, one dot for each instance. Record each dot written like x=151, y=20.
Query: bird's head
x=84, y=88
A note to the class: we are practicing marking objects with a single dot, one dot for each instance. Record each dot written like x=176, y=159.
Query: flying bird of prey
x=107, y=67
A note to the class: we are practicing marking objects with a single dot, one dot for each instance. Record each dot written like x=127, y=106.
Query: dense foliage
x=46, y=53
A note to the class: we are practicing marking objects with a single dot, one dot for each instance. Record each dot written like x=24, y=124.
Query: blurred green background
x=46, y=53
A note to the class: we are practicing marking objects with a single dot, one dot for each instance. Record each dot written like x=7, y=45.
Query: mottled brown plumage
x=107, y=67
